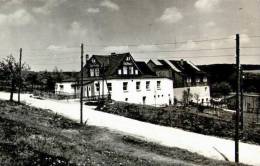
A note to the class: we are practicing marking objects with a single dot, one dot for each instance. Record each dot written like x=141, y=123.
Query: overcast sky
x=50, y=31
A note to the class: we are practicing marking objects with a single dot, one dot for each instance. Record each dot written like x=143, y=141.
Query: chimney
x=182, y=62
x=87, y=56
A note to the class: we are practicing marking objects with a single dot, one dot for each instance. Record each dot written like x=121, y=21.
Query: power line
x=159, y=44
x=251, y=47
x=140, y=44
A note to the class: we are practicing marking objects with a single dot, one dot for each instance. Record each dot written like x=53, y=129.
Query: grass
x=190, y=119
x=32, y=136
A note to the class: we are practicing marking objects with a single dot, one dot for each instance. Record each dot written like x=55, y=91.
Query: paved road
x=167, y=136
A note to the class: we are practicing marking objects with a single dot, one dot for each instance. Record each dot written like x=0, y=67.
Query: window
x=91, y=72
x=125, y=86
x=189, y=80
x=158, y=84
x=131, y=70
x=205, y=79
x=128, y=58
x=61, y=87
x=93, y=60
x=147, y=85
x=97, y=72
x=136, y=72
x=97, y=87
x=138, y=85
x=109, y=87
x=125, y=70
x=119, y=71
x=198, y=80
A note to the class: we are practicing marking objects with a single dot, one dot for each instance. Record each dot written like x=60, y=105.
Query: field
x=32, y=136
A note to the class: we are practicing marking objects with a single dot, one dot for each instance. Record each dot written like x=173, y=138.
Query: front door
x=144, y=99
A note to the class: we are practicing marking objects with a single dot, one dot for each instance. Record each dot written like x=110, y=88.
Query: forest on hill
x=219, y=73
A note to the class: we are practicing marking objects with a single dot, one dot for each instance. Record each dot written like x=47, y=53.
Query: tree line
x=30, y=80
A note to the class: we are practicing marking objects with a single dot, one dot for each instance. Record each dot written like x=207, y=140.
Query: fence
x=57, y=95
x=186, y=118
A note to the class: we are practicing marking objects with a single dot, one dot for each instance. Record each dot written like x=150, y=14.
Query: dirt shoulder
x=32, y=136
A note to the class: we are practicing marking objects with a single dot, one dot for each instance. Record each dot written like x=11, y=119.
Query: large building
x=186, y=77
x=124, y=79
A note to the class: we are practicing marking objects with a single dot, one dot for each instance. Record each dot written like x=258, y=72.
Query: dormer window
x=119, y=71
x=188, y=80
x=136, y=72
x=97, y=72
x=131, y=70
x=205, y=79
x=125, y=70
x=91, y=72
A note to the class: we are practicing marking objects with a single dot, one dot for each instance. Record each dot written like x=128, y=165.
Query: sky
x=203, y=31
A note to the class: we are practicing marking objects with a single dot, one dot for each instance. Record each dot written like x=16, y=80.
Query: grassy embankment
x=209, y=122
x=32, y=136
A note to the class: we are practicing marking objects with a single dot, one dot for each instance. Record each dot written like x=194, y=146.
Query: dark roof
x=185, y=67
x=102, y=59
x=144, y=68
x=115, y=61
x=110, y=62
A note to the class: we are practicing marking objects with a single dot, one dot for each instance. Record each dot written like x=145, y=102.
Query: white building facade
x=148, y=91
x=186, y=76
x=123, y=79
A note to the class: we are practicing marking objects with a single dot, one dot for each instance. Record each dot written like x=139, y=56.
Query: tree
x=186, y=97
x=57, y=74
x=33, y=79
x=196, y=97
x=221, y=89
x=10, y=70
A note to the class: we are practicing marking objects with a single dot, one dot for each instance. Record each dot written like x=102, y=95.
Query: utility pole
x=20, y=75
x=81, y=85
x=237, y=100
x=241, y=99
x=103, y=80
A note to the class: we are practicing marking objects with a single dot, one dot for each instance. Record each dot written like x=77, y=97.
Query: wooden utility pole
x=241, y=99
x=81, y=85
x=20, y=75
x=237, y=100
x=103, y=80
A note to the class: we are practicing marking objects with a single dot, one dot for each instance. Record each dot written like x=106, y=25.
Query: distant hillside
x=227, y=73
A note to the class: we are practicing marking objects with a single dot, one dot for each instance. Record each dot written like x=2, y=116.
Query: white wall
x=67, y=89
x=202, y=91
x=154, y=96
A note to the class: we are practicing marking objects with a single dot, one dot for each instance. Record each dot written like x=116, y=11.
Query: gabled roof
x=179, y=66
x=144, y=68
x=113, y=61
x=156, y=62
x=172, y=66
x=186, y=67
x=102, y=59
